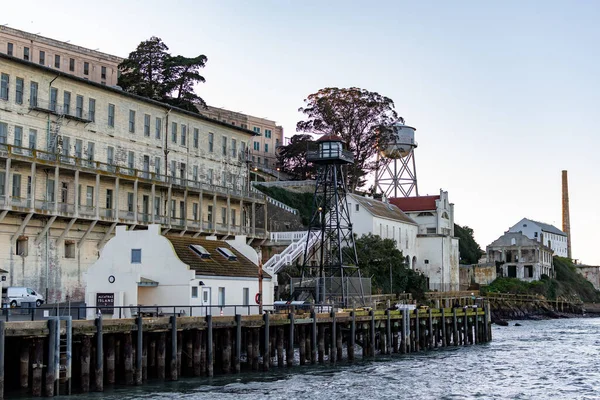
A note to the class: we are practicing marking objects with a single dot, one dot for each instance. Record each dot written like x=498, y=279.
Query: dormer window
x=200, y=251
x=228, y=254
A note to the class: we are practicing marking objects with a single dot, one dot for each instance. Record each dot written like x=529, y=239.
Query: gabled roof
x=520, y=240
x=548, y=228
x=419, y=203
x=217, y=264
x=380, y=209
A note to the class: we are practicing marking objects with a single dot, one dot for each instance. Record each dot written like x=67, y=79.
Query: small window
x=26, y=53
x=69, y=249
x=194, y=292
x=42, y=57
x=221, y=296
x=431, y=230
x=200, y=250
x=136, y=256
x=246, y=296
x=22, y=247
x=426, y=261
x=57, y=61
x=357, y=207
x=71, y=64
x=228, y=254
x=86, y=68
x=103, y=72
x=9, y=49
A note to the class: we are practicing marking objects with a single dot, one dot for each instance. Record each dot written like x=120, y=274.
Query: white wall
x=558, y=243
x=442, y=268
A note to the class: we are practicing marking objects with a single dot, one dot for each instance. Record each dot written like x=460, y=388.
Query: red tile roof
x=420, y=203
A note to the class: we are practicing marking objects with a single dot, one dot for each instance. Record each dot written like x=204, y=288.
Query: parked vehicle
x=16, y=295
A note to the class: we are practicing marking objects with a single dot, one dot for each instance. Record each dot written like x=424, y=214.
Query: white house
x=437, y=248
x=386, y=220
x=521, y=257
x=143, y=267
x=547, y=234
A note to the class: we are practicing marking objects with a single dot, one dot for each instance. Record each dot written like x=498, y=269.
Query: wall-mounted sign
x=105, y=302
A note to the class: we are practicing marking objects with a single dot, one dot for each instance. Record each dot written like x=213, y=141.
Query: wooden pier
x=106, y=352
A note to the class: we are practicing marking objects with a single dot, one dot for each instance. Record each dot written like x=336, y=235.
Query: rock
x=501, y=322
x=517, y=324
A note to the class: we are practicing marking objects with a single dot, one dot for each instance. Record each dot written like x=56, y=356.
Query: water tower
x=330, y=271
x=397, y=172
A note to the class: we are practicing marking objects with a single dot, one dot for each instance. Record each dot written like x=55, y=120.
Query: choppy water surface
x=558, y=359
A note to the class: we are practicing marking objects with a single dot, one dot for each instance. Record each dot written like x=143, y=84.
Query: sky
x=503, y=94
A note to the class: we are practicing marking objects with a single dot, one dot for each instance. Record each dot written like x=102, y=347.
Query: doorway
x=206, y=296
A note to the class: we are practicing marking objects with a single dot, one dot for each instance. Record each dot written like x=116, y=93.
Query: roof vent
x=228, y=254
x=201, y=251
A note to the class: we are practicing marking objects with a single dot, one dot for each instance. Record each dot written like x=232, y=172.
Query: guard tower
x=397, y=172
x=330, y=271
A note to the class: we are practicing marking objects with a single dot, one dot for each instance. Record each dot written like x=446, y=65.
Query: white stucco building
x=437, y=248
x=143, y=267
x=547, y=234
x=386, y=220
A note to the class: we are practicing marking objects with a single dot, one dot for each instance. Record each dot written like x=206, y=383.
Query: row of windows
x=179, y=132
x=257, y=147
x=22, y=248
x=27, y=56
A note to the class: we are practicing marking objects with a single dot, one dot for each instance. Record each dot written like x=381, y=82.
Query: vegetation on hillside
x=468, y=248
x=303, y=202
x=568, y=284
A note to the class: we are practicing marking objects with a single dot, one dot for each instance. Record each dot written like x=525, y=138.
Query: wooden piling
x=321, y=340
x=23, y=363
x=139, y=351
x=50, y=363
x=226, y=351
x=179, y=352
x=196, y=352
x=267, y=343
x=173, y=359
x=280, y=346
x=313, y=338
x=417, y=331
x=209, y=346
x=302, y=344
x=454, y=328
x=477, y=338
x=388, y=328
x=465, y=328
x=161, y=350
x=372, y=334
x=443, y=322
x=352, y=337
x=339, y=341
x=2, y=348
x=249, y=346
x=430, y=330
x=290, y=349
x=238, y=344
x=84, y=362
x=152, y=355
x=255, y=348
x=109, y=357
x=128, y=358
x=145, y=358
x=332, y=339
x=37, y=367
x=403, y=326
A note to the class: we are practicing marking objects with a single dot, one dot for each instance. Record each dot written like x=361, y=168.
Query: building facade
x=79, y=158
x=60, y=56
x=437, y=248
x=386, y=220
x=520, y=257
x=145, y=268
x=262, y=151
x=544, y=233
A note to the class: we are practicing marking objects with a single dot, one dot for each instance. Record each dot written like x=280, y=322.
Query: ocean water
x=554, y=359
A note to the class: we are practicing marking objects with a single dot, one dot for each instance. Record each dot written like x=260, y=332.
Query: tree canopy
x=292, y=158
x=150, y=71
x=361, y=118
x=380, y=260
x=469, y=250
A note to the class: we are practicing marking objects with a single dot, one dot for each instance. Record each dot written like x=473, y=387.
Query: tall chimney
x=565, y=211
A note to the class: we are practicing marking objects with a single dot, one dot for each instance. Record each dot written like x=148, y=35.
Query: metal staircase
x=290, y=254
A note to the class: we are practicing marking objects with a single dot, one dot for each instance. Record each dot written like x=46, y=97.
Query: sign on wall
x=105, y=302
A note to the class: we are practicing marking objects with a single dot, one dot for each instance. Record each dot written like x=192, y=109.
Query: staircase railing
x=290, y=254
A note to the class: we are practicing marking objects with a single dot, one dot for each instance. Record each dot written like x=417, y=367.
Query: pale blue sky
x=503, y=95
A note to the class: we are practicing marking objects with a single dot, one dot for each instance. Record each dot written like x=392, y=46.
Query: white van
x=15, y=295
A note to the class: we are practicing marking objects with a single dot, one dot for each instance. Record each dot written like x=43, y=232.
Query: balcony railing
x=93, y=166
x=70, y=112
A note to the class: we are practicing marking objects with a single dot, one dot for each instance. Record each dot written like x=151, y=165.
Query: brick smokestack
x=565, y=211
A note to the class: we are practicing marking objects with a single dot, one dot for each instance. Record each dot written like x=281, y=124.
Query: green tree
x=292, y=158
x=380, y=260
x=469, y=250
x=361, y=118
x=150, y=71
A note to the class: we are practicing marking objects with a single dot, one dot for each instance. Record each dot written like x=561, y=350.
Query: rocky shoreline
x=504, y=311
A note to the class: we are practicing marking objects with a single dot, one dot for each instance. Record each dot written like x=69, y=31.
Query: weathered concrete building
x=521, y=257
x=591, y=273
x=60, y=56
x=79, y=158
x=145, y=268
